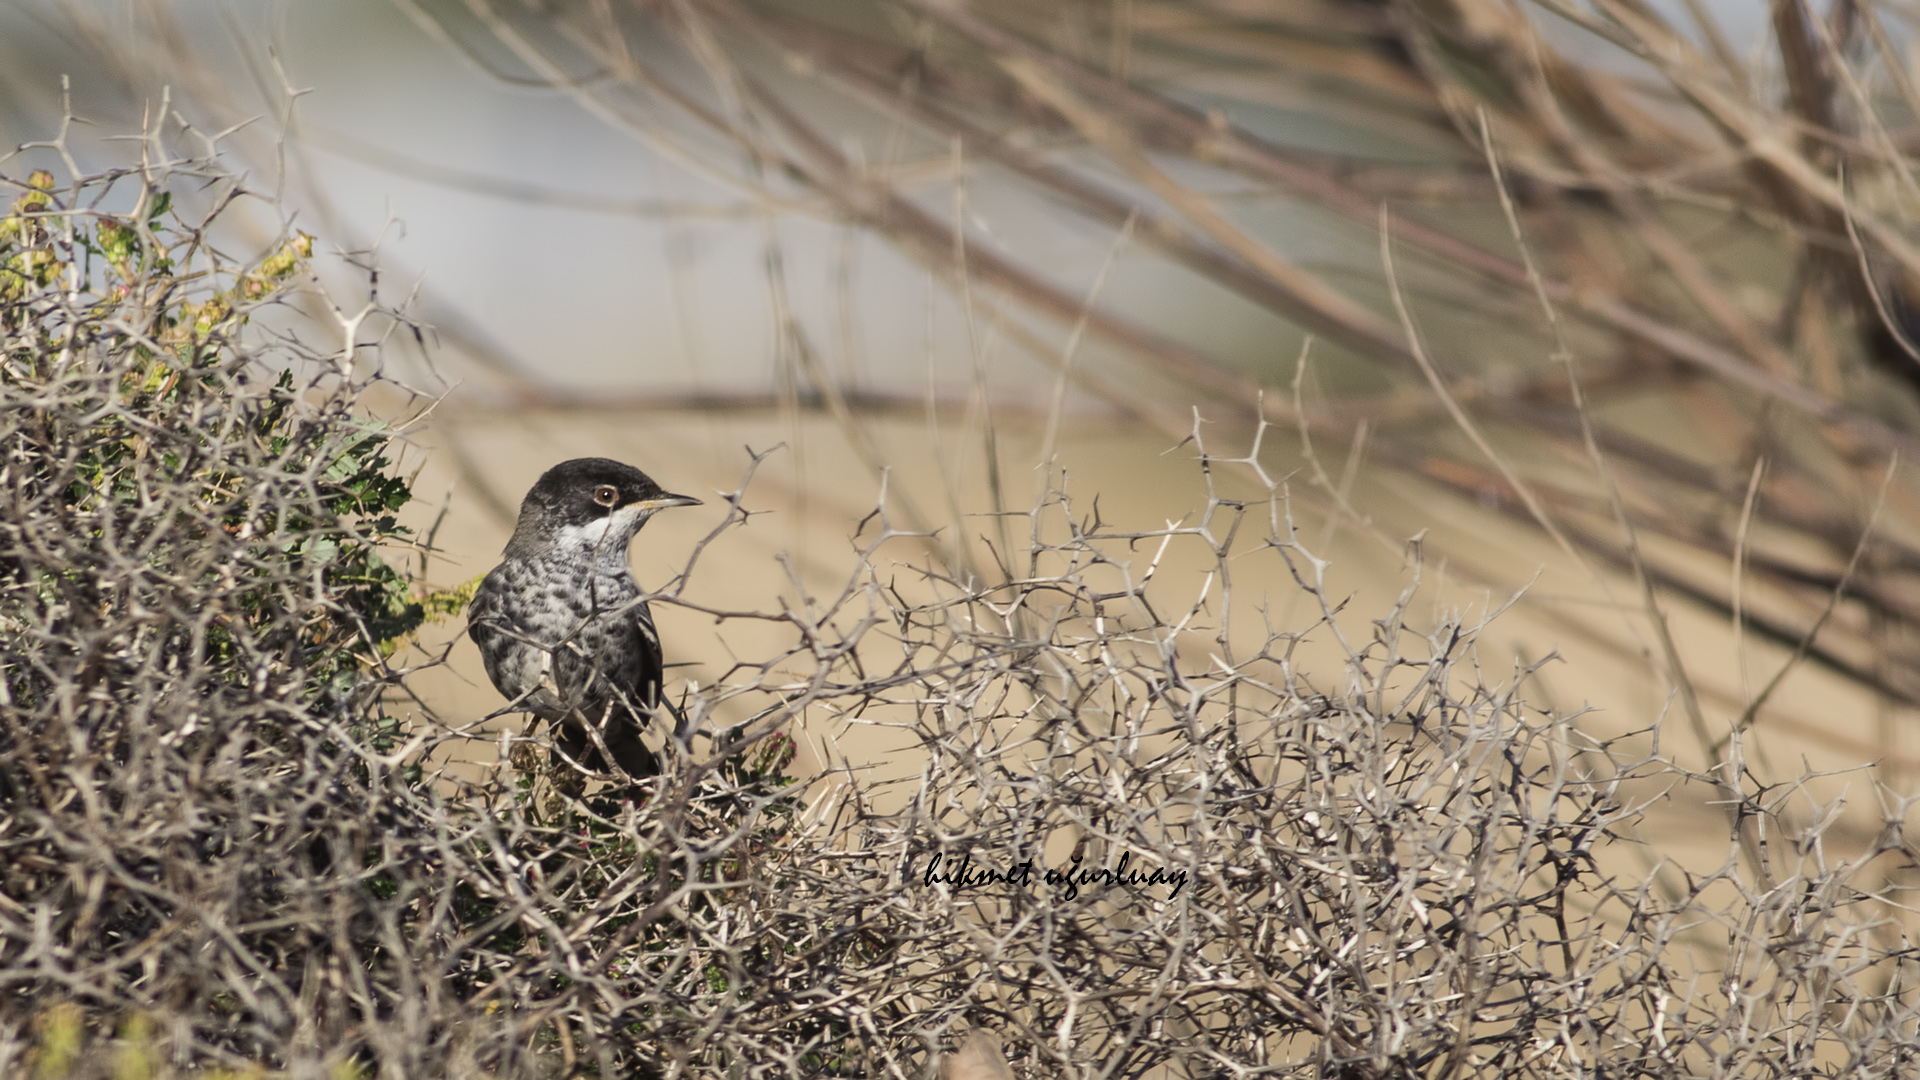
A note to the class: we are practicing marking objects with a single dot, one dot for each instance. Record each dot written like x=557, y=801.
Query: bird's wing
x=645, y=688
x=625, y=689
x=611, y=658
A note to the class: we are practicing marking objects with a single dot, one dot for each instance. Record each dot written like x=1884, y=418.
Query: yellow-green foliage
x=62, y=1049
x=62, y=1033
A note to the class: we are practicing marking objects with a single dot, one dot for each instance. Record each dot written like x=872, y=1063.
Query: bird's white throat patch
x=608, y=536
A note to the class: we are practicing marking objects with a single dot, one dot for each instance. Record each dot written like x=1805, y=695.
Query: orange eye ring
x=606, y=494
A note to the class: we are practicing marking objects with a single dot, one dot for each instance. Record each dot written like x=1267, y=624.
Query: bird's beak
x=663, y=502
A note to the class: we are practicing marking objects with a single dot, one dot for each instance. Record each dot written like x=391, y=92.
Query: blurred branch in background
x=1724, y=242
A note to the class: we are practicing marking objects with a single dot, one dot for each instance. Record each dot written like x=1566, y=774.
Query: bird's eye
x=606, y=494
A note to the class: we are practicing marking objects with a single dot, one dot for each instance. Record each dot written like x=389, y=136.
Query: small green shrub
x=194, y=616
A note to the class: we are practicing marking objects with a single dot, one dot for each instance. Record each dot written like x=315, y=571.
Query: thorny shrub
x=1137, y=843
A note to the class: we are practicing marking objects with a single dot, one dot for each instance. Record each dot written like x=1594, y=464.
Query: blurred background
x=1601, y=309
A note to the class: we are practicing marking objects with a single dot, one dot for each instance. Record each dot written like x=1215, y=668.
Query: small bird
x=560, y=622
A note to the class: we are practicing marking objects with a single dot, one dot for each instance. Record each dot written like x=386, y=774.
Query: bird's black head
x=596, y=501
